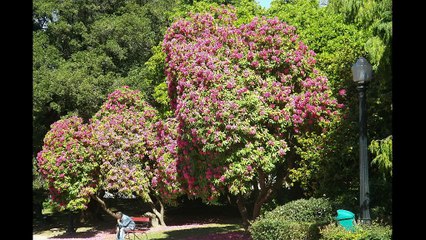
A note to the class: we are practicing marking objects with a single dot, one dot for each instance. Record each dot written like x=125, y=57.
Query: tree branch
x=103, y=205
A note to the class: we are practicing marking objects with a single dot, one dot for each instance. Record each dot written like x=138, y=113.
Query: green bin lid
x=344, y=214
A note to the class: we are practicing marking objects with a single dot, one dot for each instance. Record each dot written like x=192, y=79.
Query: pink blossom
x=281, y=152
x=154, y=182
x=255, y=64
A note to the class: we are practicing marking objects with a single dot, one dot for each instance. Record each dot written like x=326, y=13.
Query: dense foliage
x=337, y=45
x=339, y=34
x=373, y=232
x=382, y=150
x=40, y=192
x=374, y=19
x=243, y=95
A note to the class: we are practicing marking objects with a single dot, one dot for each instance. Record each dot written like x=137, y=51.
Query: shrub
x=281, y=229
x=370, y=232
x=300, y=219
x=304, y=210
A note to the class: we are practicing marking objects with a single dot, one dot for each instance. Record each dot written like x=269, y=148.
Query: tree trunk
x=103, y=205
x=266, y=192
x=162, y=213
x=256, y=209
x=38, y=210
x=260, y=201
x=71, y=226
x=243, y=211
x=158, y=214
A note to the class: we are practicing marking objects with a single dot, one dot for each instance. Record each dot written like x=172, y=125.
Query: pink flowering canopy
x=164, y=180
x=240, y=96
x=127, y=145
x=67, y=162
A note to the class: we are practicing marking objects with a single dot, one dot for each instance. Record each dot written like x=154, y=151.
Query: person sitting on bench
x=124, y=224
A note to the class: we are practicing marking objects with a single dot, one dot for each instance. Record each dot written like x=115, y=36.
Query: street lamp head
x=362, y=70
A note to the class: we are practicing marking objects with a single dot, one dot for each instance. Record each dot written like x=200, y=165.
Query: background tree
x=83, y=50
x=374, y=19
x=244, y=97
x=337, y=45
x=339, y=34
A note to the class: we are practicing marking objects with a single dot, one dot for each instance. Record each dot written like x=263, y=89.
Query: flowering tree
x=246, y=99
x=135, y=158
x=125, y=149
x=67, y=162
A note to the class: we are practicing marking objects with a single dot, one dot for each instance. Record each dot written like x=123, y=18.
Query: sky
x=264, y=3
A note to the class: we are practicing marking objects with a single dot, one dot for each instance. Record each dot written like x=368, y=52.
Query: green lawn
x=193, y=232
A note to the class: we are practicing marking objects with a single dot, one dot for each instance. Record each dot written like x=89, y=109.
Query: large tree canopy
x=244, y=96
x=136, y=150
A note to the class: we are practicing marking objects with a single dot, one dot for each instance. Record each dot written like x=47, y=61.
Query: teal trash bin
x=346, y=219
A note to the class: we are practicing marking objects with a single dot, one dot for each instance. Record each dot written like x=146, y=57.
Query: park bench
x=142, y=225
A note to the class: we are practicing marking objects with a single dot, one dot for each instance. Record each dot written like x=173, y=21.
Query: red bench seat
x=142, y=226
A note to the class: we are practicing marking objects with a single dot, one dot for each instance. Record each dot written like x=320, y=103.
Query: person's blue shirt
x=126, y=222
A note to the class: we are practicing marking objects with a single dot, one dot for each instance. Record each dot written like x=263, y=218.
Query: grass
x=190, y=233
x=192, y=220
x=195, y=232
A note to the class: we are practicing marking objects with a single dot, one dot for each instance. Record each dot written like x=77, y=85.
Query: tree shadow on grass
x=86, y=234
x=55, y=227
x=196, y=233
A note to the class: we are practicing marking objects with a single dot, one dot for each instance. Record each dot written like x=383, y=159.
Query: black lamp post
x=362, y=73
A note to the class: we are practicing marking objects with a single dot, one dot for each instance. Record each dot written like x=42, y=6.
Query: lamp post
x=362, y=73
